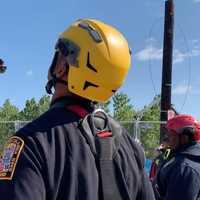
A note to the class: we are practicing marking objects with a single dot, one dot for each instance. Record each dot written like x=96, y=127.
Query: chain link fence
x=147, y=133
x=8, y=128
x=144, y=132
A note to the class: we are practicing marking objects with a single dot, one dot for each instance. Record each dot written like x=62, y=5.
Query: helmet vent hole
x=89, y=84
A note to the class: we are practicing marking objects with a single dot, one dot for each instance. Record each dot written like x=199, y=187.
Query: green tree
x=44, y=104
x=7, y=113
x=124, y=111
x=31, y=110
x=150, y=131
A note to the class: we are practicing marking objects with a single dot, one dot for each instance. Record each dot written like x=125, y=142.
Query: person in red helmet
x=179, y=178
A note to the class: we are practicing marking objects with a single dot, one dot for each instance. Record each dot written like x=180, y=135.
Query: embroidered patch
x=9, y=157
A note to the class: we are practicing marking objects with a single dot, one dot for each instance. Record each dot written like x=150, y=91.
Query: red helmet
x=182, y=124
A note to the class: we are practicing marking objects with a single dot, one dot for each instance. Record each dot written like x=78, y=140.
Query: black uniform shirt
x=56, y=163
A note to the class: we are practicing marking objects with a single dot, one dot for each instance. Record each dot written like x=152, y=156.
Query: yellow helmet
x=98, y=57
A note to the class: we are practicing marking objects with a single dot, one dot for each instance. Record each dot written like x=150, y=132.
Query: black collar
x=68, y=100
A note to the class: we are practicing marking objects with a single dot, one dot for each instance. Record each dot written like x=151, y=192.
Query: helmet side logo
x=88, y=84
x=89, y=65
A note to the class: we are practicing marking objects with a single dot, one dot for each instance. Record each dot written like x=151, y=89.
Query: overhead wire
x=189, y=60
x=189, y=68
x=149, y=63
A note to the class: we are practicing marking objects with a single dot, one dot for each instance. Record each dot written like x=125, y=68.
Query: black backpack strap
x=102, y=134
x=109, y=183
x=103, y=140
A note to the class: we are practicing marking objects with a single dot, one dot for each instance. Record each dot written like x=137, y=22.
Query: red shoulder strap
x=152, y=172
x=77, y=109
x=82, y=112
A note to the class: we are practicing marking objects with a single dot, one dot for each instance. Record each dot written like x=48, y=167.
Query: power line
x=149, y=65
x=189, y=68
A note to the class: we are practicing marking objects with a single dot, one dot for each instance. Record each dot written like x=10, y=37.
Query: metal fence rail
x=144, y=132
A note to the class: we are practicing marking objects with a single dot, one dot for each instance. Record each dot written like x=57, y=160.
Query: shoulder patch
x=9, y=157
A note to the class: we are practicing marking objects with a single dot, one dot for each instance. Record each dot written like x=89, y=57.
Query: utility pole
x=167, y=64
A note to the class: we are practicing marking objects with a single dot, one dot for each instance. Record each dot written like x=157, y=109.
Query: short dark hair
x=190, y=132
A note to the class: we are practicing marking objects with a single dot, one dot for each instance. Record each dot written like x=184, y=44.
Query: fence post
x=137, y=132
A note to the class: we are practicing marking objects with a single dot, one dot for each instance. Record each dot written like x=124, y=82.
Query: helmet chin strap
x=52, y=82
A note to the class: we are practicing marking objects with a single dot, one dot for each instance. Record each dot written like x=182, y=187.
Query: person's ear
x=184, y=139
x=61, y=69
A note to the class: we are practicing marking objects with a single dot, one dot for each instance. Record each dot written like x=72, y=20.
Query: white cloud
x=181, y=89
x=195, y=41
x=195, y=52
x=29, y=73
x=197, y=1
x=150, y=52
x=180, y=57
x=151, y=40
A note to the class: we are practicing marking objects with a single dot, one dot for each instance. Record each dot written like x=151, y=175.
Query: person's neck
x=60, y=91
x=72, y=100
x=58, y=95
x=184, y=146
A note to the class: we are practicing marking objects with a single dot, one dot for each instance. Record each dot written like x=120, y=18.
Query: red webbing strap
x=82, y=112
x=104, y=134
x=152, y=172
x=77, y=109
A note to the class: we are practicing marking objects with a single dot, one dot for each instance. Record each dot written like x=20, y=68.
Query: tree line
x=119, y=107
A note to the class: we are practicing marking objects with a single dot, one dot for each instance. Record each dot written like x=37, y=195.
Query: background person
x=179, y=178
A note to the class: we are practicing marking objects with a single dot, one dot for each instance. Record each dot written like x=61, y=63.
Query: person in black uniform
x=49, y=159
x=179, y=178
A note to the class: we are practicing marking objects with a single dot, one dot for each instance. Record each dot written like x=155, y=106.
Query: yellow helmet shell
x=103, y=60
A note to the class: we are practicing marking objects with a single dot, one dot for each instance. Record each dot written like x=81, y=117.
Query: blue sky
x=29, y=30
